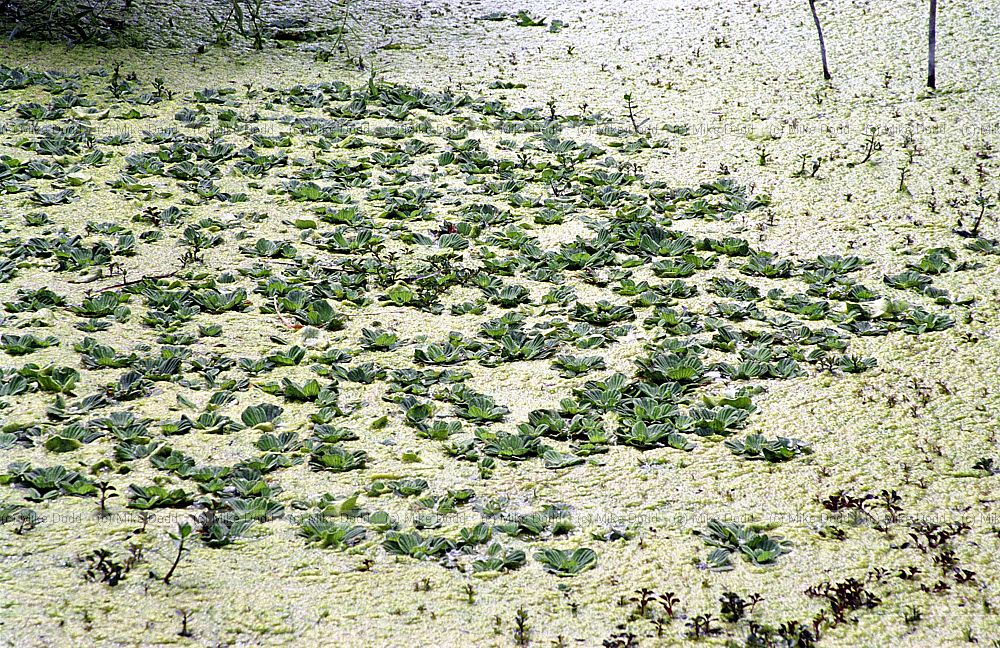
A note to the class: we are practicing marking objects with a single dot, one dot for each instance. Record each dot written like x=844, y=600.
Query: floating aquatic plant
x=563, y=562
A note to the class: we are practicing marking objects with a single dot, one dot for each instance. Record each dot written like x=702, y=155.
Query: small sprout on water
x=184, y=531
x=522, y=632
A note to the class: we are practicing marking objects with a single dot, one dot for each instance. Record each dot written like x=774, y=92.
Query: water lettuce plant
x=563, y=562
x=730, y=538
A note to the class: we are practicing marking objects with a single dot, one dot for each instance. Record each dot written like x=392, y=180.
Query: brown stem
x=822, y=42
x=133, y=282
x=932, y=47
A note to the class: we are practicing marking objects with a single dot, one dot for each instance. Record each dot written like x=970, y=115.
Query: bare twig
x=281, y=317
x=133, y=282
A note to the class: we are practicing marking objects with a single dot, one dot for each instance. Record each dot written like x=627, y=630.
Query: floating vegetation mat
x=378, y=328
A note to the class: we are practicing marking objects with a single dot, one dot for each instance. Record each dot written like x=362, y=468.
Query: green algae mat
x=359, y=358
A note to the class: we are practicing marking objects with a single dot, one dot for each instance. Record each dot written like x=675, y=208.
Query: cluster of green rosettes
x=382, y=218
